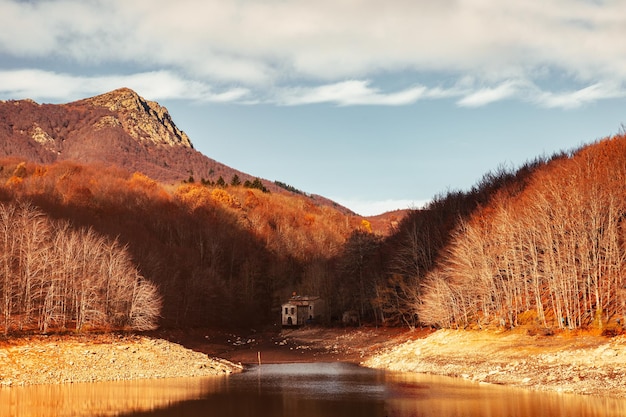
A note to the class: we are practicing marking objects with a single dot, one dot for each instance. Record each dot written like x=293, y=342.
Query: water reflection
x=302, y=390
x=426, y=396
x=103, y=398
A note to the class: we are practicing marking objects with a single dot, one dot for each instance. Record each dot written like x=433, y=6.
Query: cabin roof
x=301, y=300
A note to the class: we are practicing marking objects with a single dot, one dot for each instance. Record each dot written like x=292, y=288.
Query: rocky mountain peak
x=117, y=128
x=144, y=120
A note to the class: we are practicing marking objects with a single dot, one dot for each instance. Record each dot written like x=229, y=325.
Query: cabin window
x=286, y=310
x=293, y=310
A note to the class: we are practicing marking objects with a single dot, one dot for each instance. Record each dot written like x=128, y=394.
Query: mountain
x=119, y=128
x=218, y=255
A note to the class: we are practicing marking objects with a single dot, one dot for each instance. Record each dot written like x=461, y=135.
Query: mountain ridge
x=118, y=127
x=126, y=102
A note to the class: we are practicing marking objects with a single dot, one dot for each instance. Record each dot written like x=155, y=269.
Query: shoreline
x=36, y=360
x=577, y=364
x=573, y=363
x=581, y=364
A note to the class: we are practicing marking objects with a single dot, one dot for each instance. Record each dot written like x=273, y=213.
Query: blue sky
x=377, y=105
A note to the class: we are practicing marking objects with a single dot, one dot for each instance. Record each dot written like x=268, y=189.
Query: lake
x=301, y=390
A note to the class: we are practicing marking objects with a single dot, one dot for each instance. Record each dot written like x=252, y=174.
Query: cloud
x=484, y=96
x=60, y=87
x=42, y=85
x=580, y=97
x=329, y=51
x=375, y=207
x=352, y=92
x=272, y=41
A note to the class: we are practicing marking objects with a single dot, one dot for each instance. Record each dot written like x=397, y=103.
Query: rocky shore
x=569, y=363
x=91, y=358
x=576, y=363
x=579, y=364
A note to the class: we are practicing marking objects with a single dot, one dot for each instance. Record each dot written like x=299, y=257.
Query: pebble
x=583, y=365
x=133, y=358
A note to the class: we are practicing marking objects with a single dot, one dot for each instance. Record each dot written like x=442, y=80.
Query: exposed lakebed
x=302, y=389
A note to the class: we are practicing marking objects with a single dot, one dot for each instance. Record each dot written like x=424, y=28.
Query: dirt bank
x=580, y=364
x=573, y=363
x=278, y=345
x=176, y=353
x=64, y=359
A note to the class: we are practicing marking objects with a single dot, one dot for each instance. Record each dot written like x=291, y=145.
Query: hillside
x=119, y=128
x=540, y=246
x=217, y=254
x=104, y=226
x=550, y=253
x=116, y=169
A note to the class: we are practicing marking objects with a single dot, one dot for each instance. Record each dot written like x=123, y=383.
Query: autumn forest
x=93, y=246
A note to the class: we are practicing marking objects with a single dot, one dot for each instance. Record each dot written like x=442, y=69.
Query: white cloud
x=577, y=98
x=352, y=92
x=327, y=51
x=376, y=207
x=484, y=96
x=254, y=42
x=45, y=85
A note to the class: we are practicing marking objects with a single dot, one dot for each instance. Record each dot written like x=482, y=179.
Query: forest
x=89, y=246
x=58, y=277
x=548, y=252
x=217, y=256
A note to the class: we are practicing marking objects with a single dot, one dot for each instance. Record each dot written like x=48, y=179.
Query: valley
x=117, y=236
x=579, y=364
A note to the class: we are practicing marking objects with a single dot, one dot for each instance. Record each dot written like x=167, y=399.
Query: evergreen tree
x=258, y=185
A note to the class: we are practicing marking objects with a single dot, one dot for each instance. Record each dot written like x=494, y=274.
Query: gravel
x=69, y=359
x=579, y=364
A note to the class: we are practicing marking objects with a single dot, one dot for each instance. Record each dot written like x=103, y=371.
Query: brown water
x=301, y=390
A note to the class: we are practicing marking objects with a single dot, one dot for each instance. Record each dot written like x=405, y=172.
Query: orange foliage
x=251, y=200
x=551, y=250
x=194, y=196
x=141, y=181
x=20, y=170
x=196, y=242
x=222, y=197
x=14, y=181
x=214, y=259
x=40, y=171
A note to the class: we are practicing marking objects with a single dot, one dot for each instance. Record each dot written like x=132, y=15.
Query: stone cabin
x=301, y=310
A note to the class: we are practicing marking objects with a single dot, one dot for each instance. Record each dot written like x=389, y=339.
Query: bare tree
x=7, y=253
x=553, y=252
x=146, y=305
x=53, y=275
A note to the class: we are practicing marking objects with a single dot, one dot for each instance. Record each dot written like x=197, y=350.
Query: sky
x=378, y=105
